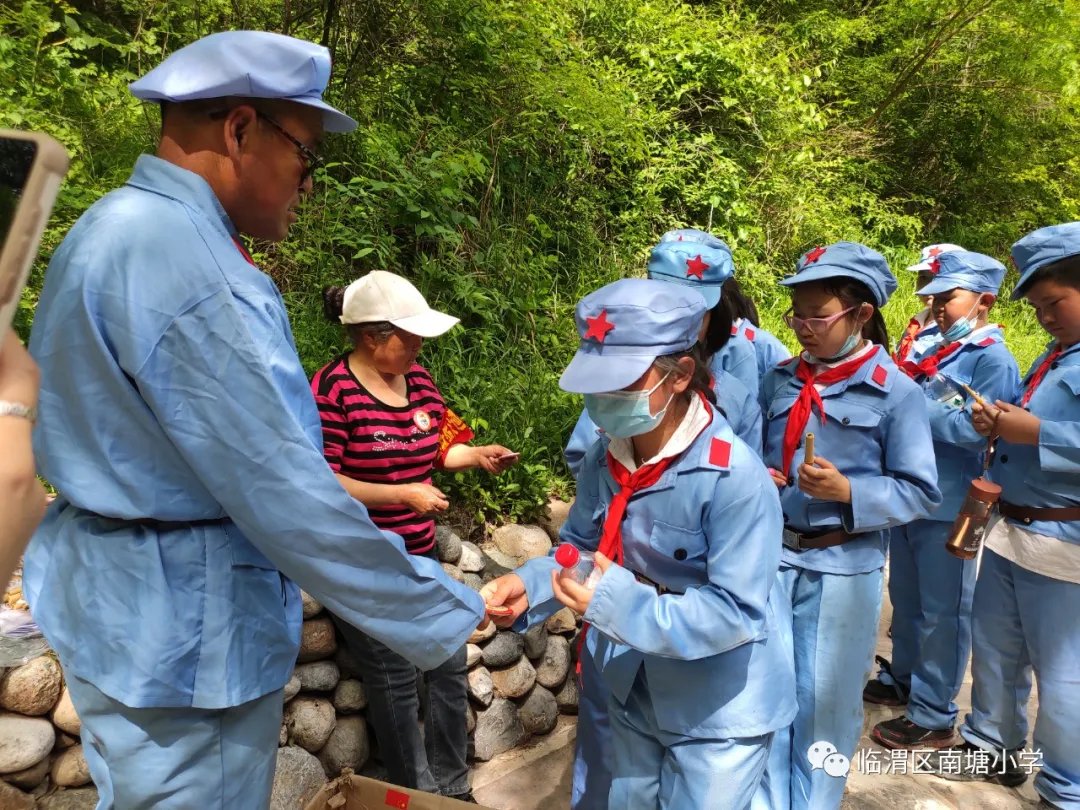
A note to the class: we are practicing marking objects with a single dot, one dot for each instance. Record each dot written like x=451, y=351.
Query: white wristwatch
x=17, y=409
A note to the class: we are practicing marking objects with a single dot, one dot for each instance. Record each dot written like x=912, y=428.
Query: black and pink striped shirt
x=371, y=441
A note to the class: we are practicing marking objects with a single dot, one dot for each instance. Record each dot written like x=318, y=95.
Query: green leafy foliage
x=513, y=155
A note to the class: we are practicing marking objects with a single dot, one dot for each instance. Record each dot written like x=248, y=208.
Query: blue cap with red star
x=624, y=327
x=1042, y=247
x=846, y=260
x=694, y=258
x=965, y=270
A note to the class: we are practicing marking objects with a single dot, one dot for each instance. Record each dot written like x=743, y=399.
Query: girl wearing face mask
x=685, y=524
x=869, y=473
x=930, y=589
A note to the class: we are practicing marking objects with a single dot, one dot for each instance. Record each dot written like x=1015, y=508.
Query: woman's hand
x=507, y=591
x=423, y=499
x=822, y=480
x=573, y=594
x=494, y=458
x=1011, y=422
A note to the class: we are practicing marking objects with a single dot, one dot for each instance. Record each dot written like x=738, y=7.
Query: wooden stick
x=974, y=394
x=808, y=453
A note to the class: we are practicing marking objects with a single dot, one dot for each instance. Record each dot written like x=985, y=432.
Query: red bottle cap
x=985, y=491
x=567, y=555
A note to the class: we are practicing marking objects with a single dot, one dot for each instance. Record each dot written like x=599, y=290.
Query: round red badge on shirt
x=422, y=420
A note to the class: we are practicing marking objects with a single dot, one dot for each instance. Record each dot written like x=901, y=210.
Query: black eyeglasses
x=311, y=160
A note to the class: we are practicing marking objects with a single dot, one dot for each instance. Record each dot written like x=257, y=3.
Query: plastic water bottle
x=945, y=391
x=578, y=565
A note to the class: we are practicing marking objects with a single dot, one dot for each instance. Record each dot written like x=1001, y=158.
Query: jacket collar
x=158, y=176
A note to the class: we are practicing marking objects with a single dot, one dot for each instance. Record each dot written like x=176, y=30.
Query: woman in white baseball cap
x=385, y=429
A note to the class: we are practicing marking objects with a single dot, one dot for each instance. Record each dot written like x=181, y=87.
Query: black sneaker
x=884, y=694
x=902, y=733
x=969, y=763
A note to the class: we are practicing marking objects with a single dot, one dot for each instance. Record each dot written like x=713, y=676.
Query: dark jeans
x=432, y=761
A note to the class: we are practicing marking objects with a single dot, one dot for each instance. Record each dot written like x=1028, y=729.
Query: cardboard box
x=352, y=792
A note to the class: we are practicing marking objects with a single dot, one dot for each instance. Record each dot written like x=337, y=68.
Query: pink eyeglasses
x=815, y=326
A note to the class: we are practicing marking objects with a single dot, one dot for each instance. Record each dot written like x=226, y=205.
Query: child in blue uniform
x=1027, y=598
x=922, y=330
x=930, y=588
x=870, y=472
x=770, y=352
x=684, y=632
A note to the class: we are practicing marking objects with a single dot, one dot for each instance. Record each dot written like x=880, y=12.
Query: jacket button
x=769, y=415
x=791, y=481
x=1005, y=459
x=846, y=420
x=680, y=554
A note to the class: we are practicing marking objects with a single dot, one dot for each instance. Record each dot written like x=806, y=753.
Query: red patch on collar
x=880, y=375
x=986, y=341
x=720, y=453
x=750, y=334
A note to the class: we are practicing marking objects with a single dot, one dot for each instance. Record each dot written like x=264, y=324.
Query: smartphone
x=509, y=457
x=31, y=168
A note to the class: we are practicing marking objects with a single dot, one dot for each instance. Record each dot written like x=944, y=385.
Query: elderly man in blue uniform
x=179, y=430
x=1027, y=598
x=930, y=589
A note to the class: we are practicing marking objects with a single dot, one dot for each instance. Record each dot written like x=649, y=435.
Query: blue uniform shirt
x=877, y=434
x=1047, y=473
x=984, y=363
x=709, y=530
x=738, y=405
x=171, y=390
x=738, y=358
x=769, y=350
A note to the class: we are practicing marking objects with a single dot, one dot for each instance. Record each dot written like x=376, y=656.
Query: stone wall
x=518, y=685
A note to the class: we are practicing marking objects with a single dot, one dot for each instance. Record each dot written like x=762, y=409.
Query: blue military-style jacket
x=877, y=434
x=1047, y=473
x=768, y=349
x=738, y=358
x=172, y=393
x=709, y=533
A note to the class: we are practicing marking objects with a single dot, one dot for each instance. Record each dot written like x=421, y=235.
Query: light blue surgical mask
x=961, y=328
x=852, y=342
x=623, y=414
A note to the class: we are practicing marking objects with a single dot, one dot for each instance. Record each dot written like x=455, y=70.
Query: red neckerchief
x=611, y=545
x=928, y=366
x=243, y=251
x=1035, y=380
x=808, y=398
x=906, y=342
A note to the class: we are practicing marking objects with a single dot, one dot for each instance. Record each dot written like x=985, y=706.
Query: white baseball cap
x=929, y=253
x=383, y=296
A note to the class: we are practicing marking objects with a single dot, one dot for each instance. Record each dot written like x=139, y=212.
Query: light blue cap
x=846, y=260
x=694, y=258
x=1042, y=247
x=250, y=64
x=625, y=326
x=964, y=270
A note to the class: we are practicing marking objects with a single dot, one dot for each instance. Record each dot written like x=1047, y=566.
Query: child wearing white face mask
x=930, y=589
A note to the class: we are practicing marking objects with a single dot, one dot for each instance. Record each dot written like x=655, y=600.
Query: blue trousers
x=177, y=759
x=592, y=748
x=655, y=770
x=931, y=593
x=834, y=621
x=1024, y=622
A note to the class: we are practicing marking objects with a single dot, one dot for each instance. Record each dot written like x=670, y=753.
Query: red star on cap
x=696, y=267
x=935, y=267
x=599, y=326
x=934, y=251
x=814, y=255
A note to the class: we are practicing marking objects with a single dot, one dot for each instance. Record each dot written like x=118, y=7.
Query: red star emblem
x=599, y=326
x=680, y=237
x=935, y=267
x=814, y=255
x=934, y=251
x=696, y=267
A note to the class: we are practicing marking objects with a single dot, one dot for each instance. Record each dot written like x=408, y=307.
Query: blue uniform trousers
x=1023, y=621
x=655, y=769
x=592, y=749
x=833, y=632
x=178, y=759
x=931, y=592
